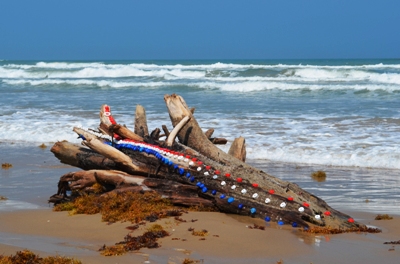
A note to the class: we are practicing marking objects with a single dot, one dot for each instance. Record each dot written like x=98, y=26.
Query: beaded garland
x=176, y=160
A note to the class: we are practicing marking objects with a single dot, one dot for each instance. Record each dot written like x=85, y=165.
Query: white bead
x=180, y=158
x=244, y=191
x=255, y=195
x=223, y=183
x=198, y=168
x=317, y=217
x=215, y=177
x=301, y=209
x=206, y=173
x=186, y=160
x=283, y=204
x=267, y=200
x=233, y=187
x=191, y=163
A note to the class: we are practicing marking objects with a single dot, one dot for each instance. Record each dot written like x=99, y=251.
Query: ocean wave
x=241, y=85
x=104, y=70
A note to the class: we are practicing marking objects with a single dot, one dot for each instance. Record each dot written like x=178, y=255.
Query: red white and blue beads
x=177, y=161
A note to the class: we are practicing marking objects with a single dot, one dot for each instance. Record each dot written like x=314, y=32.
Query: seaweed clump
x=383, y=217
x=42, y=146
x=126, y=206
x=28, y=257
x=319, y=176
x=6, y=166
x=190, y=261
x=131, y=243
x=201, y=233
x=392, y=242
x=329, y=230
x=3, y=198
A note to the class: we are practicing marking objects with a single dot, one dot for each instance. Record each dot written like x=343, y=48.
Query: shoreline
x=229, y=241
x=35, y=173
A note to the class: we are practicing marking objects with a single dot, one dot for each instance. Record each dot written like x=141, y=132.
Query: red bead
x=306, y=204
x=112, y=120
x=327, y=213
x=217, y=172
x=271, y=191
x=180, y=154
x=194, y=159
x=187, y=156
x=228, y=175
x=239, y=179
x=350, y=220
x=208, y=167
x=255, y=185
x=200, y=163
x=290, y=198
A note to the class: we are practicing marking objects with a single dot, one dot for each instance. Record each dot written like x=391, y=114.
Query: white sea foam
x=240, y=85
x=304, y=139
x=11, y=205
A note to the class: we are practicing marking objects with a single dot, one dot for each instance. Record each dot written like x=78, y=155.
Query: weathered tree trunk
x=238, y=149
x=207, y=174
x=141, y=122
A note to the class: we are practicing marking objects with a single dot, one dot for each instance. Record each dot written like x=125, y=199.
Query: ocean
x=336, y=115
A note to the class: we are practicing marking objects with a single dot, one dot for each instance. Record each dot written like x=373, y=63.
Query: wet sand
x=34, y=178
x=229, y=240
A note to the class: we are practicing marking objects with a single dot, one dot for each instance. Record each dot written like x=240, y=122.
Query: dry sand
x=229, y=240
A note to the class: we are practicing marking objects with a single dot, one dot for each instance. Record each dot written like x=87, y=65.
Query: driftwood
x=192, y=171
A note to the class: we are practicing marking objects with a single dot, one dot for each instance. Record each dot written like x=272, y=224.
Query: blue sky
x=188, y=29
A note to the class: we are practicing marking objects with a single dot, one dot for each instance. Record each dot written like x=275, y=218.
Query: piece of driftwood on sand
x=189, y=171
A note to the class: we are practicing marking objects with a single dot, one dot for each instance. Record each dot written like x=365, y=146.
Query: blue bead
x=176, y=167
x=204, y=190
x=170, y=163
x=294, y=224
x=231, y=199
x=253, y=210
x=222, y=196
x=166, y=161
x=181, y=171
x=198, y=184
x=280, y=222
x=202, y=185
x=213, y=192
x=240, y=206
x=191, y=179
x=267, y=218
x=188, y=175
x=141, y=149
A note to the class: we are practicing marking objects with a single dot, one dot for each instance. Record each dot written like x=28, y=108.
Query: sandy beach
x=27, y=222
x=229, y=240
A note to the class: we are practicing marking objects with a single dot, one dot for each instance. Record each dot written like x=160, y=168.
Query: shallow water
x=35, y=174
x=344, y=188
